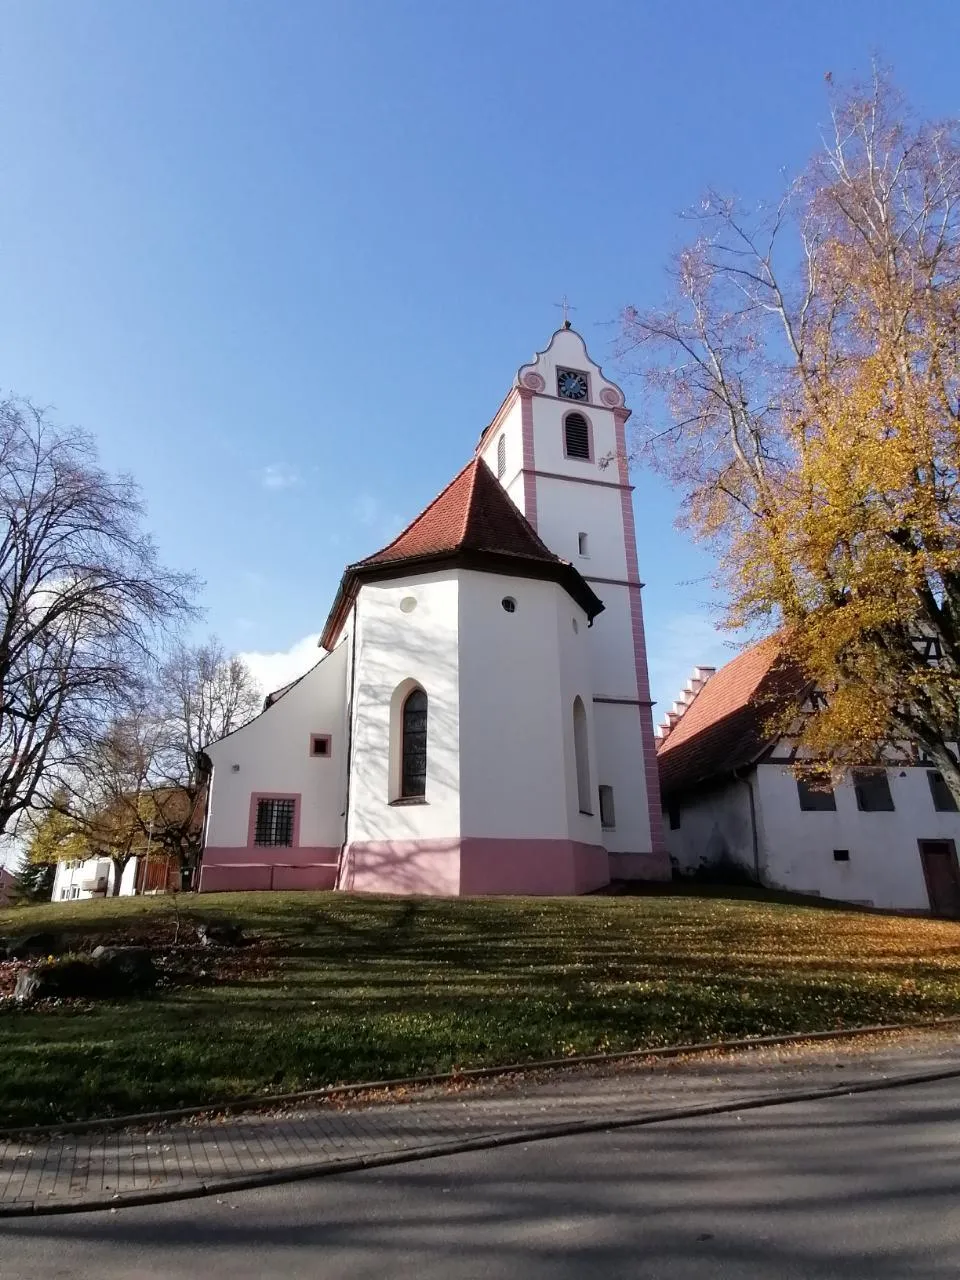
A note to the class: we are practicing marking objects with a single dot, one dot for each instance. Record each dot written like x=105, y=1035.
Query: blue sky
x=283, y=257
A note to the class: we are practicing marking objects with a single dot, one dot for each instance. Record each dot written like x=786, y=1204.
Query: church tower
x=557, y=446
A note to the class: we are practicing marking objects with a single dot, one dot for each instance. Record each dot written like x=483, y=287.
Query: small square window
x=320, y=744
x=873, y=791
x=841, y=855
x=583, y=544
x=608, y=818
x=943, y=800
x=816, y=795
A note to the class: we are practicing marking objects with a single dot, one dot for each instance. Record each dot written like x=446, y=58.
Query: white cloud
x=273, y=670
x=279, y=476
x=674, y=648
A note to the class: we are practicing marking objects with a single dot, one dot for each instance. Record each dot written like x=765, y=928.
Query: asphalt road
x=862, y=1187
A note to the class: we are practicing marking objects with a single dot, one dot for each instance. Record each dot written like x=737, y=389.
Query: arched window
x=582, y=753
x=413, y=750
x=501, y=457
x=576, y=436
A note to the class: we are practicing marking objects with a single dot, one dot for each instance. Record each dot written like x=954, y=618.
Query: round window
x=509, y=604
x=408, y=604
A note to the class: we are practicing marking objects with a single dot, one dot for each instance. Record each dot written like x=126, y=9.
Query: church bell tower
x=557, y=445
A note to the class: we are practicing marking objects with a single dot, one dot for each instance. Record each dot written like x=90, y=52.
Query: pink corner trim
x=529, y=464
x=563, y=427
x=650, y=771
x=273, y=795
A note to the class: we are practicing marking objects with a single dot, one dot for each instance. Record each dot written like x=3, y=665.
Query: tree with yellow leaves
x=809, y=366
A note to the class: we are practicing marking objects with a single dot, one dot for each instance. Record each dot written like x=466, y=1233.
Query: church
x=480, y=720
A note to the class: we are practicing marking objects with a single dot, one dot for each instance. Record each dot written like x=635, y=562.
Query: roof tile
x=473, y=513
x=726, y=726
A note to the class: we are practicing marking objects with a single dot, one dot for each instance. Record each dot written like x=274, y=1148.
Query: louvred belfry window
x=501, y=456
x=413, y=781
x=576, y=436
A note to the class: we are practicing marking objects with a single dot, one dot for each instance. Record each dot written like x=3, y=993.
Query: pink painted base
x=225, y=870
x=640, y=866
x=474, y=866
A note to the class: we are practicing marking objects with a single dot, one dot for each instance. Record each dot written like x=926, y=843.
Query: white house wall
x=69, y=881
x=271, y=757
x=884, y=868
x=715, y=828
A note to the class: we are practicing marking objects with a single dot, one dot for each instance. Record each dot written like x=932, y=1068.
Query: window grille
x=274, y=822
x=943, y=800
x=873, y=791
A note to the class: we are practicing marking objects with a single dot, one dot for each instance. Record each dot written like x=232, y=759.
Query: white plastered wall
x=67, y=878
x=510, y=427
x=394, y=646
x=715, y=826
x=272, y=754
x=884, y=867
x=519, y=675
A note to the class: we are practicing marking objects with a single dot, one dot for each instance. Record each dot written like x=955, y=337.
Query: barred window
x=413, y=778
x=943, y=800
x=873, y=791
x=816, y=795
x=576, y=436
x=274, y=822
x=501, y=456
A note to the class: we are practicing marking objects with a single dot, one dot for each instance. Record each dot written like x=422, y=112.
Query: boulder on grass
x=221, y=933
x=110, y=972
x=60, y=980
x=125, y=970
x=33, y=945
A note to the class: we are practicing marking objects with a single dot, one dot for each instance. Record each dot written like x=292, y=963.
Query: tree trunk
x=119, y=866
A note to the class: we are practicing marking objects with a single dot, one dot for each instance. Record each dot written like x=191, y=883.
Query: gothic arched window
x=413, y=748
x=576, y=436
x=581, y=752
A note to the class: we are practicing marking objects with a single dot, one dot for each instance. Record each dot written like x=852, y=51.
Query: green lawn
x=362, y=988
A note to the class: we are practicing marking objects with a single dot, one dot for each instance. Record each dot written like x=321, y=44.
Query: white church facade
x=480, y=720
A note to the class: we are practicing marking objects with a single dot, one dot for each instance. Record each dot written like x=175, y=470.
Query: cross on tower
x=566, y=308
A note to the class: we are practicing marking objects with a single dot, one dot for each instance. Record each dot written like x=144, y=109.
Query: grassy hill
x=347, y=988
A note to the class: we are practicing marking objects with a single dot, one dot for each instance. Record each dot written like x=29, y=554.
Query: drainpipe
x=349, y=751
x=754, y=835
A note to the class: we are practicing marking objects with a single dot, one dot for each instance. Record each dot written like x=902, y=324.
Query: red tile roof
x=726, y=727
x=473, y=513
x=474, y=524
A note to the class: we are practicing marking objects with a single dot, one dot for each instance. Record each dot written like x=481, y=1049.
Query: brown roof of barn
x=474, y=522
x=726, y=726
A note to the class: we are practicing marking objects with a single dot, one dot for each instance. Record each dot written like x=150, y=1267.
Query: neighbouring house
x=480, y=719
x=151, y=869
x=91, y=878
x=733, y=806
x=8, y=882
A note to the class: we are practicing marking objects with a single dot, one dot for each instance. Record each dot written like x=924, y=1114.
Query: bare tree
x=82, y=597
x=200, y=694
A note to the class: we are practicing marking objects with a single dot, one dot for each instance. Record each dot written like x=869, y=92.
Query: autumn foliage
x=808, y=366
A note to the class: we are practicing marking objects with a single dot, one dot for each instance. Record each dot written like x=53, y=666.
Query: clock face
x=571, y=384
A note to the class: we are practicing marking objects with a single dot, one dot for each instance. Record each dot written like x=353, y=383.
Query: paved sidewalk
x=116, y=1168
